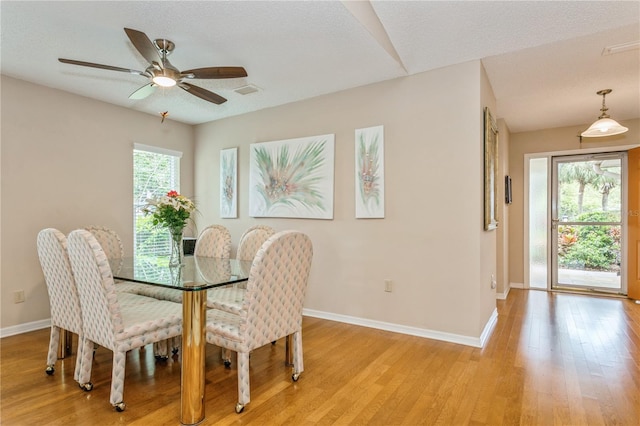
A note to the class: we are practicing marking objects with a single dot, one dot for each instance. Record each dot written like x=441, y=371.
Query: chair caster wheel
x=86, y=386
x=295, y=377
x=174, y=351
x=239, y=408
x=227, y=363
x=50, y=370
x=120, y=407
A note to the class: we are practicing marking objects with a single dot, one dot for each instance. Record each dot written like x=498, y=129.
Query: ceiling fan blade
x=145, y=46
x=104, y=67
x=202, y=93
x=215, y=72
x=143, y=92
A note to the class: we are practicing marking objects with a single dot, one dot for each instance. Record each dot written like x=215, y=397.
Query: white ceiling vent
x=619, y=48
x=245, y=90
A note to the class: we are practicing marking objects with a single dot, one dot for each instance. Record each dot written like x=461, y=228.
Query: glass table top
x=196, y=272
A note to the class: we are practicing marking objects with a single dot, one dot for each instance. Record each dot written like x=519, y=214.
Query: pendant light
x=605, y=126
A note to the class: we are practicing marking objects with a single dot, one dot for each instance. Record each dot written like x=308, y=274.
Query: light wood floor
x=552, y=359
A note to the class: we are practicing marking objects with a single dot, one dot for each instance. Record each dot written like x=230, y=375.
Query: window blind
x=155, y=172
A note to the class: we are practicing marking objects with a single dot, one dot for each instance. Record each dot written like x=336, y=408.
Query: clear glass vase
x=177, y=252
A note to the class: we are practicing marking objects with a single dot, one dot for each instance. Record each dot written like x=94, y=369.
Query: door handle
x=554, y=223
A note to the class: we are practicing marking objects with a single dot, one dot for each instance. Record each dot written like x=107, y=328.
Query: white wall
x=431, y=242
x=67, y=163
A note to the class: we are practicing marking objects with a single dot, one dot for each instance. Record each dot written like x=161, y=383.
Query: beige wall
x=488, y=239
x=502, y=284
x=67, y=163
x=559, y=140
x=431, y=242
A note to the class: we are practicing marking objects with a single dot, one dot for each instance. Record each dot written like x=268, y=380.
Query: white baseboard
x=24, y=328
x=516, y=285
x=477, y=342
x=488, y=328
x=504, y=294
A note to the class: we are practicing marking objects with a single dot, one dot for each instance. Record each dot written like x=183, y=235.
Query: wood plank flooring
x=552, y=359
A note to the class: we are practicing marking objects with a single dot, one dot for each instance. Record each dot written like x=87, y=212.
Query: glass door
x=586, y=223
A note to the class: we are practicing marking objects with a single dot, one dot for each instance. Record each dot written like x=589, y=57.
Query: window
x=538, y=222
x=156, y=171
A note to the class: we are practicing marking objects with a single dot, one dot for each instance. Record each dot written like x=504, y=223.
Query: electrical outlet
x=388, y=286
x=18, y=296
x=494, y=283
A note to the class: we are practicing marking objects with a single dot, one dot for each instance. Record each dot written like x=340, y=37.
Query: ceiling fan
x=160, y=71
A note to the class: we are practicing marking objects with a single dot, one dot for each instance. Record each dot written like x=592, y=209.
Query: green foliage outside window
x=594, y=247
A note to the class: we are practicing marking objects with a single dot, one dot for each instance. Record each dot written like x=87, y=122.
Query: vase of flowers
x=177, y=252
x=171, y=211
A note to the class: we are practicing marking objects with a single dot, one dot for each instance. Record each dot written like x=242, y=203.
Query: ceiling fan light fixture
x=162, y=73
x=167, y=75
x=164, y=81
x=605, y=125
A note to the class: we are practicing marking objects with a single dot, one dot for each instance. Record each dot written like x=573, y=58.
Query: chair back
x=101, y=315
x=214, y=241
x=252, y=240
x=213, y=270
x=272, y=306
x=63, y=294
x=109, y=241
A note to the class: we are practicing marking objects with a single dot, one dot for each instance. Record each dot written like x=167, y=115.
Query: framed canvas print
x=369, y=167
x=490, y=171
x=292, y=178
x=229, y=183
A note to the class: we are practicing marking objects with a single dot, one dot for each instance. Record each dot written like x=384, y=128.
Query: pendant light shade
x=605, y=126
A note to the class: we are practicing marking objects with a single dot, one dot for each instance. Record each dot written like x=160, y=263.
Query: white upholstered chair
x=251, y=241
x=271, y=308
x=229, y=298
x=109, y=240
x=213, y=241
x=106, y=322
x=111, y=243
x=63, y=295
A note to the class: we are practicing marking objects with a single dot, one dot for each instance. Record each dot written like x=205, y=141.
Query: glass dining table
x=193, y=278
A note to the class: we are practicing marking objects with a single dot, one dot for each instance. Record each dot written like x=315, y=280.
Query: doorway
x=587, y=226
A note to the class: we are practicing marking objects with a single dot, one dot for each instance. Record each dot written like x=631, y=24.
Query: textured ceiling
x=544, y=59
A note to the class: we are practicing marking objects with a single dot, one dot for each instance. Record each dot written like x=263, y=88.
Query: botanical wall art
x=292, y=178
x=370, y=172
x=490, y=171
x=229, y=183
